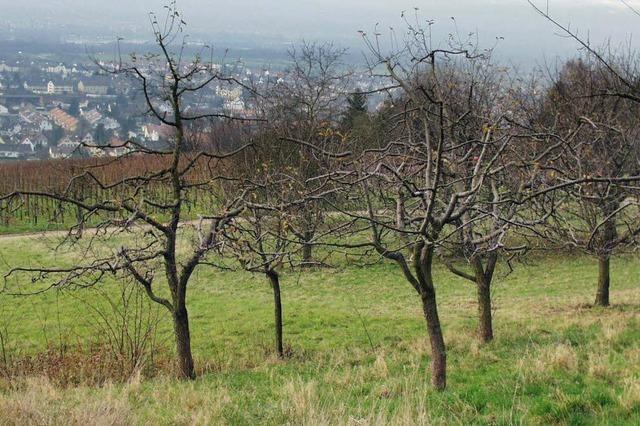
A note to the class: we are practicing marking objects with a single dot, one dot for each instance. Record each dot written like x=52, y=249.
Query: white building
x=49, y=89
x=229, y=94
x=234, y=106
x=7, y=68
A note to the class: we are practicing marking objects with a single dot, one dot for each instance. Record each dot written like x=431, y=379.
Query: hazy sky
x=525, y=33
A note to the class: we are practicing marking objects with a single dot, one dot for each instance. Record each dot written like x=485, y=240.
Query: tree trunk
x=183, y=344
x=423, y=262
x=609, y=236
x=483, y=278
x=277, y=303
x=602, y=295
x=438, y=351
x=307, y=256
x=485, y=324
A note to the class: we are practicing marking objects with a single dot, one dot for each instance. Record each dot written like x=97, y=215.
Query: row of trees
x=463, y=165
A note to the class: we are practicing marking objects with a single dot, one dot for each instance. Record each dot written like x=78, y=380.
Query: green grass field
x=359, y=352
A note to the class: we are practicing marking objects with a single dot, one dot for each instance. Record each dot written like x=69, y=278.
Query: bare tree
x=599, y=138
x=143, y=210
x=418, y=189
x=127, y=322
x=258, y=240
x=303, y=110
x=265, y=238
x=483, y=236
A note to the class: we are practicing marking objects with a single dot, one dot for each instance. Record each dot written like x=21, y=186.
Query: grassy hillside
x=359, y=352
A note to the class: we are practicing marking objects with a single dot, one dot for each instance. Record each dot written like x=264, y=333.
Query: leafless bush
x=124, y=325
x=126, y=322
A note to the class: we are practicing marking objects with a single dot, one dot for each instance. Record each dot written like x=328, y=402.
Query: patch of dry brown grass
x=380, y=368
x=91, y=366
x=630, y=396
x=560, y=356
x=300, y=403
x=36, y=401
x=598, y=366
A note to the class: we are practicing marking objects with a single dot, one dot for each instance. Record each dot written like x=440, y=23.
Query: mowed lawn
x=359, y=351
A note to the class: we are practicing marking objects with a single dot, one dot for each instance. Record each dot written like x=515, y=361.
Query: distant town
x=51, y=110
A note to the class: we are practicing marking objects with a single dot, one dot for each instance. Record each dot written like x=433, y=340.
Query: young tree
x=303, y=112
x=142, y=210
x=263, y=239
x=259, y=241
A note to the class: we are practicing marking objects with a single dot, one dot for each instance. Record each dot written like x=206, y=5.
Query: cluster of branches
x=463, y=165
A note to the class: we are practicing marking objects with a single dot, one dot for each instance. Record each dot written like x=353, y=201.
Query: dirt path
x=59, y=233
x=53, y=233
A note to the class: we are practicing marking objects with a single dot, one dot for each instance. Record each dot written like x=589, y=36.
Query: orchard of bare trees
x=465, y=165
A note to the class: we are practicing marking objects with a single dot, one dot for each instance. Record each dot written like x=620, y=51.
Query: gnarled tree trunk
x=436, y=339
x=183, y=343
x=485, y=324
x=483, y=279
x=430, y=309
